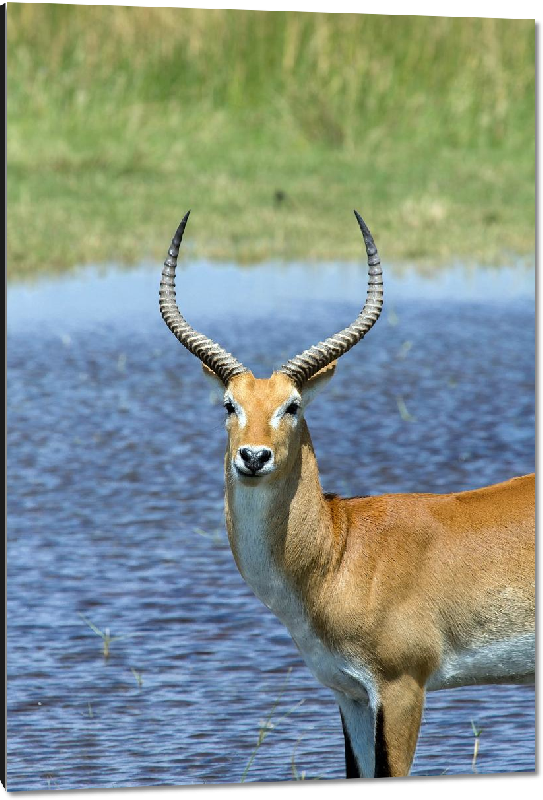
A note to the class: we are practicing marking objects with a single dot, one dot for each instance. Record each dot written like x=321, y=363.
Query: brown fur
x=392, y=581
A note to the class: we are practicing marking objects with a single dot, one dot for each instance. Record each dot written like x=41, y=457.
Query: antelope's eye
x=292, y=409
x=229, y=408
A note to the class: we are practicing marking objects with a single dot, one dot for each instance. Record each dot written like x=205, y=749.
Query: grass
x=107, y=639
x=477, y=734
x=272, y=127
x=266, y=726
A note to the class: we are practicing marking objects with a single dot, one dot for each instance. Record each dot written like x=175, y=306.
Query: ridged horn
x=209, y=352
x=301, y=368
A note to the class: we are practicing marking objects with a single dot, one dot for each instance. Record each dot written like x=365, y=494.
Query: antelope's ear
x=216, y=385
x=317, y=382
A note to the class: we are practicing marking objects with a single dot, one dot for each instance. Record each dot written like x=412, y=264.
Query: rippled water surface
x=115, y=512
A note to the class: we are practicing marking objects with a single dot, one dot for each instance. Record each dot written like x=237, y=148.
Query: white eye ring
x=232, y=408
x=288, y=409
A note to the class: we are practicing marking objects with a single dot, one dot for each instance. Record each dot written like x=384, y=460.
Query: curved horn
x=209, y=352
x=301, y=368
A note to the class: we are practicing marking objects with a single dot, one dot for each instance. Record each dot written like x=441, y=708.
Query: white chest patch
x=260, y=571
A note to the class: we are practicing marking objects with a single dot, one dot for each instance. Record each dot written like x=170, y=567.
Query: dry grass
x=271, y=126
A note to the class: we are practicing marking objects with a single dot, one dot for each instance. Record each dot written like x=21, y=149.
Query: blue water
x=115, y=513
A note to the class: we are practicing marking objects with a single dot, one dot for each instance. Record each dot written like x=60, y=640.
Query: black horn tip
x=180, y=230
x=371, y=249
x=363, y=227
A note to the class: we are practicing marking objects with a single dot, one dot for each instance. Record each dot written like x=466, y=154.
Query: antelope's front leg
x=382, y=740
x=358, y=720
x=397, y=726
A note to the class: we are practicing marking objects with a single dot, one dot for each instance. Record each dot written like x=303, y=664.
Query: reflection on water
x=115, y=512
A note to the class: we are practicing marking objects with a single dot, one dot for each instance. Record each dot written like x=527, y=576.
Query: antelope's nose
x=255, y=458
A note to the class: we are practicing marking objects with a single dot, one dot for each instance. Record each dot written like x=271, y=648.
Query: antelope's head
x=265, y=417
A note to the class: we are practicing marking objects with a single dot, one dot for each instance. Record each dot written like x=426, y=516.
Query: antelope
x=386, y=597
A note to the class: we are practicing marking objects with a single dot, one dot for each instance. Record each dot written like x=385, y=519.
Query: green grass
x=120, y=119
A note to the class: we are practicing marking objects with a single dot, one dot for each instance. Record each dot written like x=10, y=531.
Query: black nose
x=255, y=459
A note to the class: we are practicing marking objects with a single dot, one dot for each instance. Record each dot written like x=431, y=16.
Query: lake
x=115, y=512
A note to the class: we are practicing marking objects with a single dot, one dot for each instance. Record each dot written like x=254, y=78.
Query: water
x=115, y=512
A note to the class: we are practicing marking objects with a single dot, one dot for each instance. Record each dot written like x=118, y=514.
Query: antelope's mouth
x=247, y=474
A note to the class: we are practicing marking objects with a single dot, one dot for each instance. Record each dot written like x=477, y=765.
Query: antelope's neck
x=279, y=532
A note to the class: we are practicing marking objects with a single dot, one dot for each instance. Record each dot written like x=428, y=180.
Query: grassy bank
x=272, y=127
